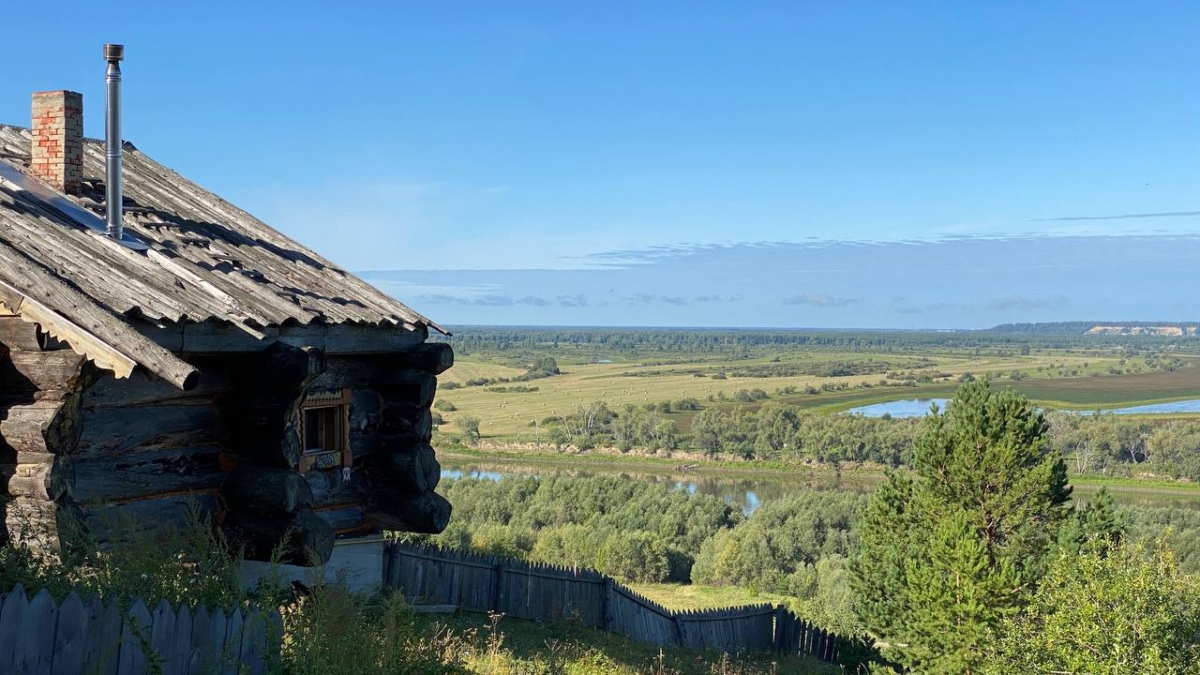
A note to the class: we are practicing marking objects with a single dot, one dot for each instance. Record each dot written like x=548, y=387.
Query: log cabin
x=164, y=353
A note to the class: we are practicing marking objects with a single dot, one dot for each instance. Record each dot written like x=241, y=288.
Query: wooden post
x=494, y=603
x=780, y=629
x=606, y=618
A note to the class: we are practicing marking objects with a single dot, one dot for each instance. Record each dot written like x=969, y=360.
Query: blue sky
x=770, y=164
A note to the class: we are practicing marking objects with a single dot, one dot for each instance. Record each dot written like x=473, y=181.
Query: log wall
x=77, y=439
x=39, y=413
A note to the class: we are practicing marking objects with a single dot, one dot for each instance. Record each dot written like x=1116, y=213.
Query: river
x=749, y=491
x=919, y=407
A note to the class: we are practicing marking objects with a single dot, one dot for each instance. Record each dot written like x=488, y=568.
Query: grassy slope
x=532, y=647
x=695, y=596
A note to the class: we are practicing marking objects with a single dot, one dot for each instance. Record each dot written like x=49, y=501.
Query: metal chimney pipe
x=113, y=196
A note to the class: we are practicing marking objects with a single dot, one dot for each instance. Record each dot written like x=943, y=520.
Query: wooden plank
x=82, y=342
x=347, y=338
x=213, y=656
x=39, y=626
x=12, y=634
x=181, y=646
x=135, y=640
x=104, y=639
x=162, y=635
x=198, y=662
x=254, y=644
x=53, y=373
x=71, y=637
x=234, y=633
x=36, y=481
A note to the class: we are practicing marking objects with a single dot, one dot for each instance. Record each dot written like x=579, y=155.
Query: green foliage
x=797, y=546
x=1107, y=611
x=633, y=556
x=335, y=632
x=190, y=564
x=469, y=426
x=542, y=366
x=581, y=521
x=1098, y=522
x=945, y=556
x=1177, y=528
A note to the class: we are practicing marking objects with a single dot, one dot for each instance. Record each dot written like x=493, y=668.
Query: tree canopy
x=947, y=552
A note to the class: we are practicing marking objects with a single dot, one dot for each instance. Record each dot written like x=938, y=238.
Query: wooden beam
x=214, y=337
x=81, y=341
x=102, y=334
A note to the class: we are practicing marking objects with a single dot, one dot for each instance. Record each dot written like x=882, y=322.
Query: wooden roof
x=206, y=261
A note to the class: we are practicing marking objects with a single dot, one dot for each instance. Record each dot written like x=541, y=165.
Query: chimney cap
x=114, y=53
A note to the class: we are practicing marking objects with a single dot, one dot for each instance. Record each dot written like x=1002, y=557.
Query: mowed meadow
x=1084, y=376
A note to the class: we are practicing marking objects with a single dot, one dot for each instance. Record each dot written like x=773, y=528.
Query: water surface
x=748, y=492
x=919, y=407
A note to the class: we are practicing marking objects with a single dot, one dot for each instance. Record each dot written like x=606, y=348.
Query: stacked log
x=75, y=442
x=401, y=467
x=268, y=504
x=270, y=517
x=147, y=457
x=39, y=407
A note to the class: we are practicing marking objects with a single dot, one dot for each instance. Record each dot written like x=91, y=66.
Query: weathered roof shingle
x=207, y=259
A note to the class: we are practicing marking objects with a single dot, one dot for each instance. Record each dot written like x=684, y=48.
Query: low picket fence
x=434, y=576
x=41, y=636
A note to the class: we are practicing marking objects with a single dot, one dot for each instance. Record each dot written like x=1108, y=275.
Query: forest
x=1097, y=444
x=1004, y=519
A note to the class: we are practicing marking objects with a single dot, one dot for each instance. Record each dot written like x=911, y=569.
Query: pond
x=748, y=492
x=919, y=407
x=909, y=407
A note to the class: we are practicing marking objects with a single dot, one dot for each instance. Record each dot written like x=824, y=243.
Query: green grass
x=508, y=416
x=782, y=476
x=515, y=647
x=695, y=596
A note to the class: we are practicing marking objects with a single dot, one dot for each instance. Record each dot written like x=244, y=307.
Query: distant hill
x=1157, y=328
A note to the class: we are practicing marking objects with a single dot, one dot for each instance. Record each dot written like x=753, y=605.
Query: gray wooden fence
x=428, y=575
x=42, y=637
x=796, y=636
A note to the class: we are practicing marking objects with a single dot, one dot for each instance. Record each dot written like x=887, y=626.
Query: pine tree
x=946, y=554
x=1096, y=525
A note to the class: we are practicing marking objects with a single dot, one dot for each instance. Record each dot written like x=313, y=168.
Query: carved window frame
x=327, y=458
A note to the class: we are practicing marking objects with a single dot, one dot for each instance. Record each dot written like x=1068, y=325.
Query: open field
x=1052, y=379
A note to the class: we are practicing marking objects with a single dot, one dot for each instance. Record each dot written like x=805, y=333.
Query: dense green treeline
x=630, y=343
x=1113, y=445
x=798, y=546
x=631, y=530
x=645, y=532
x=772, y=432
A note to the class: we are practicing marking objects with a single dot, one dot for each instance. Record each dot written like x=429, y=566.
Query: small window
x=325, y=431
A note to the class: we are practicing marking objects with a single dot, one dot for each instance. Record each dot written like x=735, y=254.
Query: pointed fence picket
x=41, y=636
x=429, y=575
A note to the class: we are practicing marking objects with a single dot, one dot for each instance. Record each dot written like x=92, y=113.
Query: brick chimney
x=57, y=152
